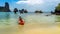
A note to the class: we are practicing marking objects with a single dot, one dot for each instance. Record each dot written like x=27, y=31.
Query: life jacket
x=21, y=22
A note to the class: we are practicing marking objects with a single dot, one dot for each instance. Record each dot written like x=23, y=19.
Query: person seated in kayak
x=21, y=21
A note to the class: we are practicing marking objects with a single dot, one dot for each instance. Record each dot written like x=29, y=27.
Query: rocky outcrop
x=38, y=11
x=20, y=11
x=23, y=11
x=5, y=8
x=15, y=10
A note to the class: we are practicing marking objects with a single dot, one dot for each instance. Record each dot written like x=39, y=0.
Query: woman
x=21, y=21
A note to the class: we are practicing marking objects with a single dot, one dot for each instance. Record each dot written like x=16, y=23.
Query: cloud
x=31, y=2
x=19, y=2
x=52, y=1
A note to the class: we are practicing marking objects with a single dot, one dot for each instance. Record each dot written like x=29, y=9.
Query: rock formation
x=15, y=10
x=38, y=11
x=23, y=11
x=5, y=8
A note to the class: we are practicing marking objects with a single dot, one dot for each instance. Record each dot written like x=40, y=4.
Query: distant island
x=5, y=8
x=38, y=11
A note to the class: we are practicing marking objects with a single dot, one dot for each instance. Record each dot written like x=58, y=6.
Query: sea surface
x=35, y=23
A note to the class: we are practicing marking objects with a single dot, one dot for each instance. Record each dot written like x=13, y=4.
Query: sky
x=32, y=5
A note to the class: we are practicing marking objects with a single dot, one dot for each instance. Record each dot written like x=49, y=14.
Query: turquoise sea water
x=9, y=21
x=9, y=18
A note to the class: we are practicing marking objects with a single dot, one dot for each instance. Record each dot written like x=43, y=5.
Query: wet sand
x=31, y=28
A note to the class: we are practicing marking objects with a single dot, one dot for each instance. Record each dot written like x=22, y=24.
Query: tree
x=57, y=9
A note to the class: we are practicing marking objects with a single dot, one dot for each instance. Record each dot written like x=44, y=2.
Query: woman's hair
x=20, y=17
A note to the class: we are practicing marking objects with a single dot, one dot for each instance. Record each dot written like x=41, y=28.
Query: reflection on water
x=35, y=23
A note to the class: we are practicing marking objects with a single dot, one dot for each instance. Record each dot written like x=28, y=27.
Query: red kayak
x=21, y=22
